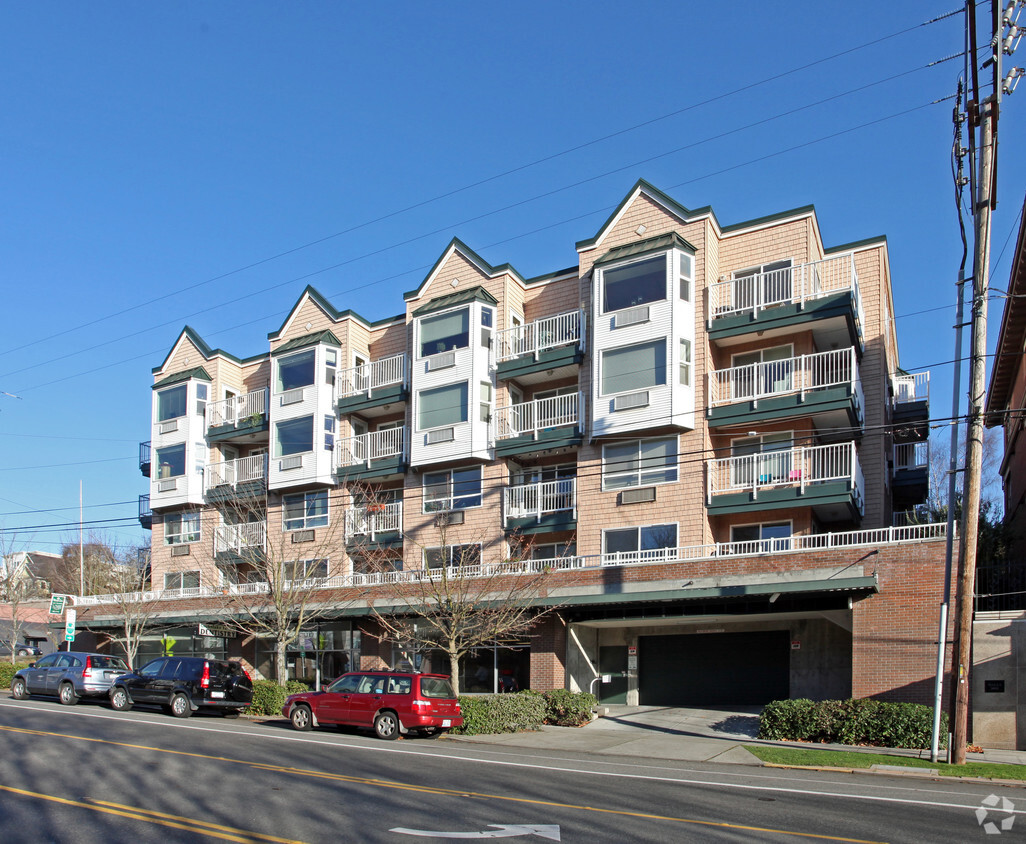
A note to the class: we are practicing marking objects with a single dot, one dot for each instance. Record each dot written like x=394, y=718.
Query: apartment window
x=766, y=530
x=685, y=362
x=452, y=556
x=182, y=580
x=171, y=403
x=633, y=367
x=541, y=474
x=180, y=528
x=485, y=409
x=685, y=273
x=749, y=378
x=171, y=461
x=202, y=392
x=442, y=406
x=646, y=538
x=553, y=550
x=293, y=436
x=767, y=284
x=329, y=432
x=456, y=489
x=296, y=371
x=445, y=332
x=305, y=510
x=308, y=569
x=639, y=463
x=634, y=284
x=486, y=317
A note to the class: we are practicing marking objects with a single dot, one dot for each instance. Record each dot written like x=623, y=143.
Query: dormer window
x=171, y=403
x=445, y=332
x=296, y=371
x=634, y=284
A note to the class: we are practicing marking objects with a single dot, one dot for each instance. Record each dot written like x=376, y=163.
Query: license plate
x=446, y=722
x=217, y=694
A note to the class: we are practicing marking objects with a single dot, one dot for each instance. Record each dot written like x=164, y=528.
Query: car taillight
x=420, y=703
x=87, y=672
x=205, y=679
x=244, y=671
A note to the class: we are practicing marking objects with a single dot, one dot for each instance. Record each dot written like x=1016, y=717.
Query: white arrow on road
x=550, y=831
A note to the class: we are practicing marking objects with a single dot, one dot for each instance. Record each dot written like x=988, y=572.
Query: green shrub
x=565, y=708
x=484, y=714
x=295, y=687
x=862, y=721
x=7, y=670
x=268, y=698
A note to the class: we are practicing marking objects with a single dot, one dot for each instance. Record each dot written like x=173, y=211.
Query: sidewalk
x=686, y=735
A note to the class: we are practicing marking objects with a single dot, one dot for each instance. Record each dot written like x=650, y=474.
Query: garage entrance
x=709, y=669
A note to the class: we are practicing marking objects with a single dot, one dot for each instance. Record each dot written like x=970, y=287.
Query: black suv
x=182, y=684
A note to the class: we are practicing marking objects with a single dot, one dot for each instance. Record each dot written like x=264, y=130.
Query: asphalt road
x=88, y=774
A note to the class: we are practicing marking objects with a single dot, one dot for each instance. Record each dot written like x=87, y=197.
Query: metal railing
x=231, y=473
x=369, y=377
x=873, y=538
x=791, y=467
x=536, y=337
x=792, y=376
x=249, y=407
x=366, y=448
x=237, y=539
x=531, y=417
x=524, y=501
x=908, y=456
x=144, y=507
x=911, y=388
x=145, y=453
x=371, y=519
x=789, y=285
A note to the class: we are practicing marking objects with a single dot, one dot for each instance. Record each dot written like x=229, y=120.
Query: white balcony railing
x=792, y=467
x=238, y=539
x=370, y=377
x=524, y=501
x=366, y=448
x=532, y=417
x=245, y=408
x=911, y=387
x=792, y=376
x=909, y=456
x=789, y=285
x=806, y=543
x=538, y=336
x=231, y=473
x=371, y=519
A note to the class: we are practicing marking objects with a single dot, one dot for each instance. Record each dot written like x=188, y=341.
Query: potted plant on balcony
x=254, y=419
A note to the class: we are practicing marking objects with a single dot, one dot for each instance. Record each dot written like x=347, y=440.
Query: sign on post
x=57, y=603
x=69, y=625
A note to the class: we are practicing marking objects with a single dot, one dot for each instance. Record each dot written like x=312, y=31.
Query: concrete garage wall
x=821, y=666
x=999, y=662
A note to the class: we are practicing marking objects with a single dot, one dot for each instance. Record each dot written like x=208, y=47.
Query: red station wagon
x=388, y=702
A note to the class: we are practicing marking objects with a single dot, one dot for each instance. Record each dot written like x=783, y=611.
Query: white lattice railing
x=536, y=500
x=370, y=377
x=531, y=417
x=366, y=448
x=238, y=539
x=234, y=472
x=911, y=388
x=371, y=519
x=791, y=467
x=247, y=407
x=789, y=285
x=535, y=337
x=873, y=538
x=909, y=456
x=791, y=376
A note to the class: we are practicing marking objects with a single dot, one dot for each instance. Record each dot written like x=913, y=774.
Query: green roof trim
x=185, y=375
x=471, y=294
x=320, y=337
x=468, y=253
x=856, y=244
x=205, y=350
x=770, y=218
x=644, y=187
x=331, y=311
x=659, y=243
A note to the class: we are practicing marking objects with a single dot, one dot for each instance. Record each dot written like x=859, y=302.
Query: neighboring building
x=702, y=429
x=31, y=570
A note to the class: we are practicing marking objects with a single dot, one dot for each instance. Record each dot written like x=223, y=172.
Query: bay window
x=171, y=461
x=293, y=436
x=634, y=367
x=444, y=332
x=442, y=406
x=171, y=403
x=296, y=371
x=634, y=284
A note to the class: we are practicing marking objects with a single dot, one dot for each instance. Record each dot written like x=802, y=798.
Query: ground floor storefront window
x=182, y=641
x=320, y=654
x=487, y=669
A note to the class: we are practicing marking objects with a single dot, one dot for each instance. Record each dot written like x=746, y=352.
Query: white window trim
x=466, y=421
x=762, y=351
x=305, y=526
x=179, y=575
x=637, y=389
x=788, y=522
x=636, y=259
x=637, y=472
x=450, y=497
x=279, y=361
x=448, y=548
x=420, y=321
x=639, y=528
x=181, y=519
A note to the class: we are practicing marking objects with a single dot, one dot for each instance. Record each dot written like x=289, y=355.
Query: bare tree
x=16, y=587
x=130, y=584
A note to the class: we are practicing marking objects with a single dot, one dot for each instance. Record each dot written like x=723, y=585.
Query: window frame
x=659, y=343
x=448, y=550
x=164, y=450
x=461, y=386
x=183, y=534
x=640, y=531
x=623, y=265
x=307, y=521
x=278, y=451
x=181, y=575
x=463, y=341
x=279, y=388
x=452, y=501
x=638, y=470
x=177, y=388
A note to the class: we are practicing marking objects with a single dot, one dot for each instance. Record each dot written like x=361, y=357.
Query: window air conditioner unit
x=179, y=550
x=449, y=517
x=630, y=316
x=440, y=435
x=441, y=361
x=292, y=396
x=294, y=461
x=642, y=495
x=628, y=401
x=302, y=536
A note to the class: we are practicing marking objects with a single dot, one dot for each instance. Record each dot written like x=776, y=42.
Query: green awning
x=471, y=294
x=197, y=372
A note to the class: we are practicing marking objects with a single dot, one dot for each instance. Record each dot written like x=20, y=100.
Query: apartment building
x=701, y=430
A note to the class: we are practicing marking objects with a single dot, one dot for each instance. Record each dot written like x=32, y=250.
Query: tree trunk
x=281, y=668
x=454, y=667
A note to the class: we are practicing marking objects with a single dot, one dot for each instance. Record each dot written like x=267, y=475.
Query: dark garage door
x=709, y=669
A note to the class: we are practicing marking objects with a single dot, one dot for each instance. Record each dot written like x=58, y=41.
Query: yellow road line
x=435, y=790
x=224, y=833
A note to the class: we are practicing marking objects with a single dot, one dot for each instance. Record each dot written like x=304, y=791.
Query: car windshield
x=435, y=687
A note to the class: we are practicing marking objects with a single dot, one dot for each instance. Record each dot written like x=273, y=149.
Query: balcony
x=369, y=389
x=826, y=477
x=145, y=513
x=240, y=541
x=375, y=525
x=911, y=411
x=540, y=507
x=910, y=482
x=237, y=418
x=538, y=425
x=821, y=295
x=245, y=477
x=527, y=353
x=377, y=454
x=825, y=385
x=145, y=458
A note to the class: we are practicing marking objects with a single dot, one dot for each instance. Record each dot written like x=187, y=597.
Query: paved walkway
x=688, y=735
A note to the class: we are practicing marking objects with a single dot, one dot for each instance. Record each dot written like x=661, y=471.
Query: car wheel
x=119, y=699
x=301, y=718
x=18, y=690
x=23, y=652
x=66, y=694
x=180, y=706
x=386, y=726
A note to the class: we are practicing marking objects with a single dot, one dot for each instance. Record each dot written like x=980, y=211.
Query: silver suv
x=69, y=675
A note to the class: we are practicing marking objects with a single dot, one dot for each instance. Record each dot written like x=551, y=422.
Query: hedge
x=7, y=671
x=269, y=697
x=862, y=721
x=526, y=710
x=565, y=708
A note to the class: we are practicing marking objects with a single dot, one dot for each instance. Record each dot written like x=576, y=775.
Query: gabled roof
x=659, y=243
x=314, y=295
x=190, y=334
x=471, y=294
x=186, y=374
x=653, y=193
x=457, y=245
x=317, y=338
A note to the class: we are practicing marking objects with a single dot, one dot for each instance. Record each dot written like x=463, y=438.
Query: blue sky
x=157, y=157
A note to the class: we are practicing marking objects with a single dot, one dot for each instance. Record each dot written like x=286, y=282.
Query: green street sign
x=57, y=604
